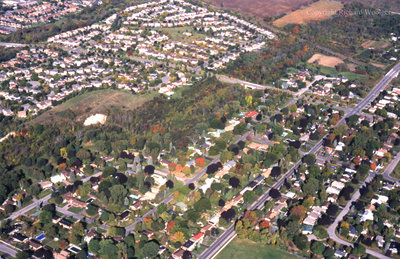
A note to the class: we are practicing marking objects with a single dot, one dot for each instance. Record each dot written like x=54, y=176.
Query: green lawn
x=247, y=249
x=75, y=209
x=45, y=193
x=176, y=34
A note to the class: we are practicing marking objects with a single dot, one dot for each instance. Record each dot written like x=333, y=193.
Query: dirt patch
x=260, y=8
x=352, y=67
x=372, y=44
x=327, y=61
x=377, y=64
x=318, y=11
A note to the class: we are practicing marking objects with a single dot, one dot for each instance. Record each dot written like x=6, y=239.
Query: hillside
x=82, y=106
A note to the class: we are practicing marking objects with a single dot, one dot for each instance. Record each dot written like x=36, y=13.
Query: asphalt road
x=389, y=169
x=43, y=201
x=332, y=228
x=227, y=235
x=7, y=249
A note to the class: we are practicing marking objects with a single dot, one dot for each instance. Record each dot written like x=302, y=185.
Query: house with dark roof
x=125, y=215
x=65, y=223
x=17, y=237
x=189, y=245
x=34, y=245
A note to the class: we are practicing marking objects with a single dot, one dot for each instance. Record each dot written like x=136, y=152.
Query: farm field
x=82, y=106
x=239, y=248
x=327, y=61
x=317, y=11
x=260, y=8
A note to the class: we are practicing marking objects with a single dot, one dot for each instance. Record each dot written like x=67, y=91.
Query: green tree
x=45, y=217
x=202, y=205
x=301, y=242
x=317, y=247
x=94, y=246
x=249, y=196
x=311, y=186
x=150, y=249
x=309, y=159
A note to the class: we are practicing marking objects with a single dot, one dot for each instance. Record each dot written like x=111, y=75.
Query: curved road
x=332, y=228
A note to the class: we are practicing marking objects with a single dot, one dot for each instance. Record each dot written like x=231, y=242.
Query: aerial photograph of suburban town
x=226, y=129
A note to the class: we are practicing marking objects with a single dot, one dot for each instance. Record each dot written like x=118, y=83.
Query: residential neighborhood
x=188, y=129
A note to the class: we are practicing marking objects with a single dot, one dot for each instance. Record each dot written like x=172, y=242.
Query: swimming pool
x=40, y=237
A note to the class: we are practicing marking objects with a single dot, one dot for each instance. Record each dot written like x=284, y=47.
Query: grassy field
x=317, y=11
x=98, y=101
x=247, y=249
x=176, y=34
x=331, y=71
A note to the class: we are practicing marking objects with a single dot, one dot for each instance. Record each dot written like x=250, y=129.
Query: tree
x=45, y=217
x=150, y=249
x=200, y=162
x=226, y=156
x=177, y=237
x=191, y=186
x=149, y=169
x=276, y=171
x=228, y=215
x=116, y=232
x=317, y=247
x=249, y=196
x=274, y=193
x=91, y=210
x=240, y=128
x=298, y=211
x=170, y=184
x=94, y=246
x=320, y=232
x=301, y=242
x=202, y=205
x=309, y=159
x=329, y=253
x=234, y=182
x=332, y=210
x=311, y=186
x=109, y=170
x=221, y=203
x=358, y=250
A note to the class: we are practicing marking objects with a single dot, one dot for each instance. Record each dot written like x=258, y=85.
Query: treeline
x=271, y=63
x=162, y=121
x=345, y=33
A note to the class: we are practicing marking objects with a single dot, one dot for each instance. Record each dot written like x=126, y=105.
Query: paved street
x=333, y=226
x=389, y=169
x=42, y=201
x=226, y=236
x=5, y=248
